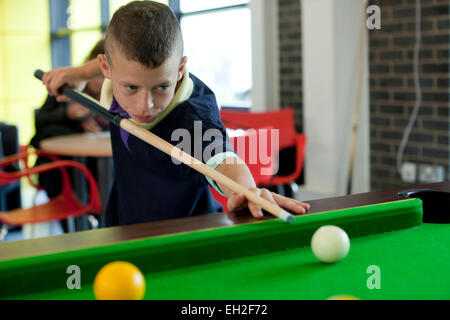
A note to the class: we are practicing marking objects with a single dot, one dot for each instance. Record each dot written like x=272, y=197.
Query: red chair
x=257, y=149
x=63, y=206
x=280, y=119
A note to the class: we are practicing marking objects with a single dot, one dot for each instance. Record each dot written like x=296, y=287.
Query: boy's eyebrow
x=164, y=83
x=128, y=84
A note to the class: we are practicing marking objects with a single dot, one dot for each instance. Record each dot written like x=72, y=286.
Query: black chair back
x=10, y=197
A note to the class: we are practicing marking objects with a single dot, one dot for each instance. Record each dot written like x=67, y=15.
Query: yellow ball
x=343, y=297
x=119, y=280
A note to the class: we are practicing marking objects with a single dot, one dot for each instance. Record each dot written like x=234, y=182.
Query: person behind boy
x=62, y=118
x=147, y=81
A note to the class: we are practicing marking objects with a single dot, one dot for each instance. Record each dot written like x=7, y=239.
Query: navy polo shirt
x=148, y=185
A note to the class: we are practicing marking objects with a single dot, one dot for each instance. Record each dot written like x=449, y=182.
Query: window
x=76, y=26
x=24, y=47
x=84, y=22
x=217, y=42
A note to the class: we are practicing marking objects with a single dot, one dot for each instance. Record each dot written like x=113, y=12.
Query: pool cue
x=172, y=151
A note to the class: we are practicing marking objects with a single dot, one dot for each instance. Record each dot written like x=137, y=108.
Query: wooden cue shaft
x=199, y=166
x=173, y=151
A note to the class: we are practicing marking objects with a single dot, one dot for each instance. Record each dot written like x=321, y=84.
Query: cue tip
x=287, y=217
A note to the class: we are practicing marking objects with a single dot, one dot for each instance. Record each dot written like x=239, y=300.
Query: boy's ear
x=104, y=66
x=181, y=68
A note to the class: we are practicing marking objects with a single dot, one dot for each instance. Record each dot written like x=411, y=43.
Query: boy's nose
x=146, y=102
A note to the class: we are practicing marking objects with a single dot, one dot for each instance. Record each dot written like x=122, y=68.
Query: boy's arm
x=238, y=171
x=75, y=77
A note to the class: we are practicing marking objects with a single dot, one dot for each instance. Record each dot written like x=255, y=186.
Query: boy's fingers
x=291, y=204
x=44, y=78
x=239, y=201
x=51, y=87
x=54, y=85
x=236, y=202
x=254, y=208
x=54, y=80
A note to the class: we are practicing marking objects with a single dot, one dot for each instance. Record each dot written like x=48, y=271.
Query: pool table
x=393, y=255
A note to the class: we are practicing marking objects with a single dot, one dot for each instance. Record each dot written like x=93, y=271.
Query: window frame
x=59, y=38
x=176, y=7
x=60, y=33
x=265, y=93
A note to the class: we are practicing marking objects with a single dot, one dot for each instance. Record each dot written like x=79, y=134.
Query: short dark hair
x=99, y=48
x=145, y=31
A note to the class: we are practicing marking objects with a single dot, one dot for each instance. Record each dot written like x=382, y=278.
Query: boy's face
x=142, y=92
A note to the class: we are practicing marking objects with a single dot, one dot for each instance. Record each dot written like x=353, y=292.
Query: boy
x=147, y=81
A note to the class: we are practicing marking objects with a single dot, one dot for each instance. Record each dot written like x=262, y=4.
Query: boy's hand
x=58, y=77
x=238, y=202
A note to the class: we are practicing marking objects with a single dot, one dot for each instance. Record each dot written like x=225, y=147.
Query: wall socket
x=431, y=174
x=409, y=172
x=423, y=173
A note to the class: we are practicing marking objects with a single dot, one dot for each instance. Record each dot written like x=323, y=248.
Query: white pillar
x=265, y=64
x=330, y=42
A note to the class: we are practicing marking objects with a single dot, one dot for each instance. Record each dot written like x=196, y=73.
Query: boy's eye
x=163, y=88
x=131, y=88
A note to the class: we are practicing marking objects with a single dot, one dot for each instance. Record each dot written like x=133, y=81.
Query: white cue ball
x=330, y=244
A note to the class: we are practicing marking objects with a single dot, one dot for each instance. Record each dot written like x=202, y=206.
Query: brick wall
x=392, y=94
x=291, y=58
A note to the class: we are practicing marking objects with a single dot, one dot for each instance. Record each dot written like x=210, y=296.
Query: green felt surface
x=264, y=260
x=414, y=264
